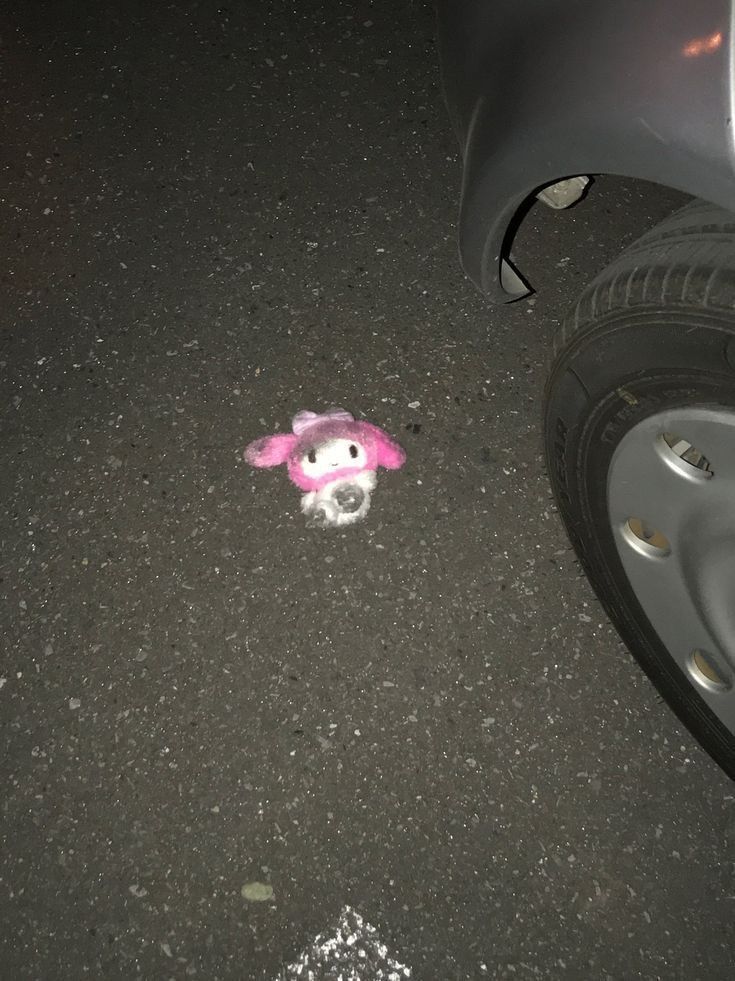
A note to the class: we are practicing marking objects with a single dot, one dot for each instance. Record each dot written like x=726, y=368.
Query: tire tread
x=684, y=248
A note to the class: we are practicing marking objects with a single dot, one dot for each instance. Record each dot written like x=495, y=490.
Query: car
x=639, y=407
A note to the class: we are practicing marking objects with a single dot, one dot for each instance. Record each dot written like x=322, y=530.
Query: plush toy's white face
x=336, y=454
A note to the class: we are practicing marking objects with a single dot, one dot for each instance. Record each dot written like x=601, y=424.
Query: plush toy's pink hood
x=311, y=430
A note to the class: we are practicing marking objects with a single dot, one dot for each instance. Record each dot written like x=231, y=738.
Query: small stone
x=75, y=703
x=257, y=892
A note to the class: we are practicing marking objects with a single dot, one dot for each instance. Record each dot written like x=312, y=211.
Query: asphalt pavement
x=227, y=737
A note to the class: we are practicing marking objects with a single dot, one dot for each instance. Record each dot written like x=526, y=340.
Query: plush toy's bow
x=305, y=419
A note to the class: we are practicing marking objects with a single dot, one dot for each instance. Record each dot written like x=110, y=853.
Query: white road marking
x=354, y=952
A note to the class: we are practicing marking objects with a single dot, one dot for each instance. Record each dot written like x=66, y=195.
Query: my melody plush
x=333, y=458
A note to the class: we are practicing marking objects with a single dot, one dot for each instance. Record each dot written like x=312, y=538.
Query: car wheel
x=640, y=446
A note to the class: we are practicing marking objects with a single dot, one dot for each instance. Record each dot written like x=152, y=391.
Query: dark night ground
x=213, y=218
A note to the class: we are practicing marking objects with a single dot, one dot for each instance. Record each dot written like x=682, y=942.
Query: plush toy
x=332, y=458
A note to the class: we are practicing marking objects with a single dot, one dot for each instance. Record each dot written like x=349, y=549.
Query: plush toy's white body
x=341, y=502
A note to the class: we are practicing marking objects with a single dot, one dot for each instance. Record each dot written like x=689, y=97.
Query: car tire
x=640, y=446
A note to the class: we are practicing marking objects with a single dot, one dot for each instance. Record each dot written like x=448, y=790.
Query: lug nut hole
x=685, y=456
x=646, y=537
x=708, y=672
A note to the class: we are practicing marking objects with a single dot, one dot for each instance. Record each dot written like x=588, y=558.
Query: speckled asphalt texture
x=212, y=217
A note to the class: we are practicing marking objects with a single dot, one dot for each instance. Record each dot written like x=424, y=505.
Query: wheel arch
x=588, y=89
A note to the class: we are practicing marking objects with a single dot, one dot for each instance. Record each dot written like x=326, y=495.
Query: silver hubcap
x=671, y=502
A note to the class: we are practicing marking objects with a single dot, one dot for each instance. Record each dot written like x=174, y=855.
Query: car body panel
x=541, y=90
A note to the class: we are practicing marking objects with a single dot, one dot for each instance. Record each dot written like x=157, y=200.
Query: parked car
x=640, y=400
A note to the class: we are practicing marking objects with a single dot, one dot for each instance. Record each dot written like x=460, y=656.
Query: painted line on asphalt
x=354, y=952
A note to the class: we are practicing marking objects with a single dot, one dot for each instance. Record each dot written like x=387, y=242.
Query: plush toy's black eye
x=353, y=451
x=311, y=457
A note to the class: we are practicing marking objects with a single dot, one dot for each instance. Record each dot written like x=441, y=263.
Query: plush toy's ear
x=390, y=454
x=270, y=451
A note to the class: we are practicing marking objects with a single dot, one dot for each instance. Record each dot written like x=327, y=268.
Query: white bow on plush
x=305, y=419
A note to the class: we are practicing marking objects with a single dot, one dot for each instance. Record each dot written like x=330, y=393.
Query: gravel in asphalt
x=222, y=729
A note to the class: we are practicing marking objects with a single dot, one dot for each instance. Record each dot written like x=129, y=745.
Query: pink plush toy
x=334, y=459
